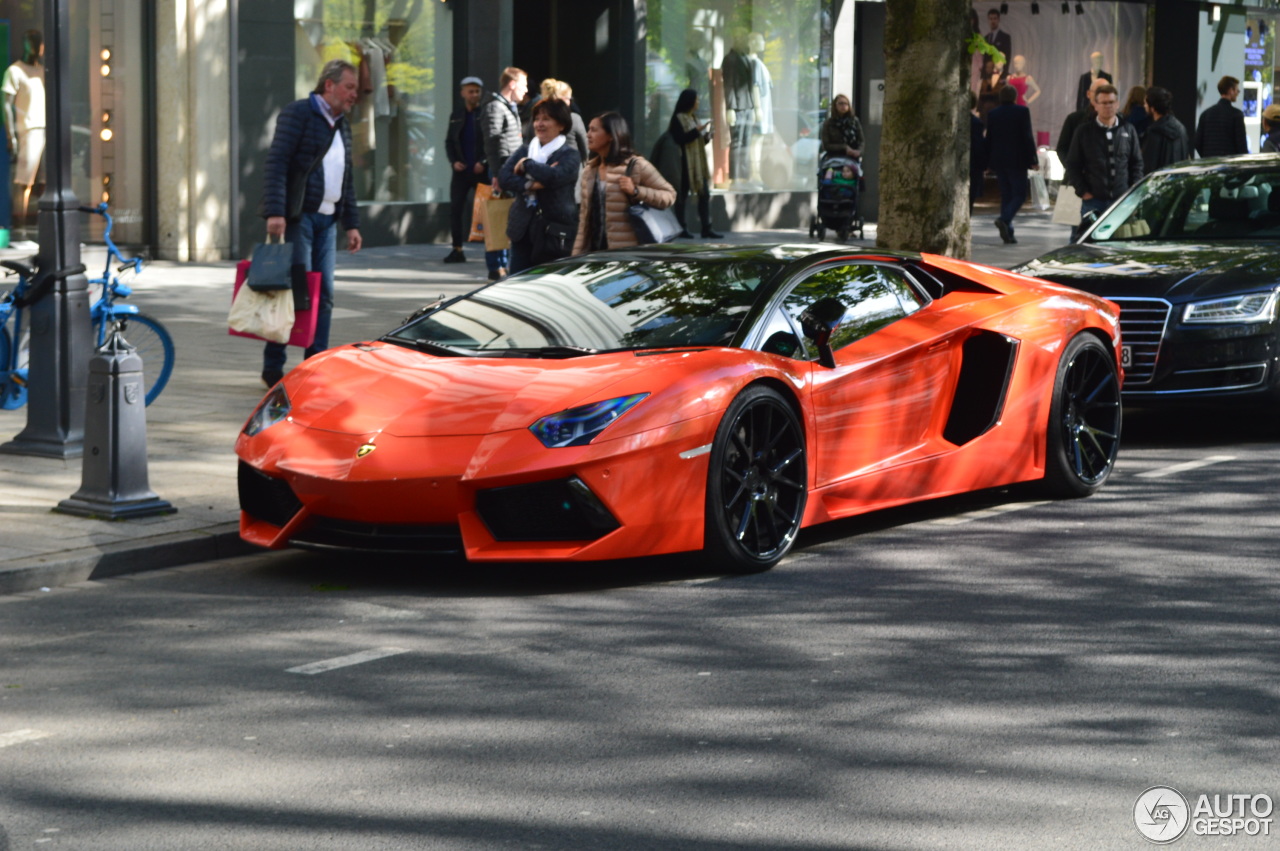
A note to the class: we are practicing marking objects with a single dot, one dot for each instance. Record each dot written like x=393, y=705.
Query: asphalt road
x=980, y=672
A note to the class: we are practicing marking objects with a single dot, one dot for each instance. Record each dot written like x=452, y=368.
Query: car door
x=877, y=406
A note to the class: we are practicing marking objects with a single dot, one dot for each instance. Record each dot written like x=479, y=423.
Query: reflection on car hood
x=386, y=388
x=1175, y=271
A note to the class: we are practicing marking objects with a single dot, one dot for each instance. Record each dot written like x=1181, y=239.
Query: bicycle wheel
x=154, y=346
x=13, y=387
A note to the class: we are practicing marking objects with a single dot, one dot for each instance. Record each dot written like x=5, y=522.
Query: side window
x=873, y=297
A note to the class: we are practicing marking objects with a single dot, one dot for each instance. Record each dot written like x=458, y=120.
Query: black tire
x=757, y=483
x=1084, y=420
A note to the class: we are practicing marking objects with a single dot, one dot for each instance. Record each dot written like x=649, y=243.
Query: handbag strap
x=323, y=152
x=631, y=166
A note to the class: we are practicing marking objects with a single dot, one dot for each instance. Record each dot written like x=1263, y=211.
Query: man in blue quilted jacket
x=308, y=191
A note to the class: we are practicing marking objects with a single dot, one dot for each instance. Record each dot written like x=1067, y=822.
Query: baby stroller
x=839, y=179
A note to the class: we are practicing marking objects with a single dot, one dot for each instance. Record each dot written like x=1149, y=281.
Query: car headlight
x=1254, y=307
x=580, y=425
x=273, y=409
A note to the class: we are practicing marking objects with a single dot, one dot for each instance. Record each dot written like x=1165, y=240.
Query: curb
x=154, y=553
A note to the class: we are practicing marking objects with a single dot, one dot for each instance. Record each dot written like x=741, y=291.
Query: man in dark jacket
x=1220, y=131
x=1167, y=141
x=1105, y=158
x=308, y=190
x=500, y=127
x=1011, y=150
x=465, y=149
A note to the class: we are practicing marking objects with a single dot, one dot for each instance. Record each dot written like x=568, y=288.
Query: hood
x=379, y=387
x=1179, y=272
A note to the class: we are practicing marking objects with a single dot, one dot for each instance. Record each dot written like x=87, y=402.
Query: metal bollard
x=113, y=484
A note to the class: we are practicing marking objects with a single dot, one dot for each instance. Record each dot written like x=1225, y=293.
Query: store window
x=398, y=124
x=106, y=97
x=755, y=65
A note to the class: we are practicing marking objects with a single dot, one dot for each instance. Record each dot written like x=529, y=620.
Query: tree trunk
x=924, y=161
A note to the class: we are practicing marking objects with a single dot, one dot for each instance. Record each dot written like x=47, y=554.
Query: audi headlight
x=580, y=425
x=1254, y=307
x=273, y=409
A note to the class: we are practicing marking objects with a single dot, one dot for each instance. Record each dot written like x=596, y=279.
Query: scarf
x=849, y=130
x=539, y=153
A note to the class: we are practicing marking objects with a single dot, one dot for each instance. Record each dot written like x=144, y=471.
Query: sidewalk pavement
x=192, y=426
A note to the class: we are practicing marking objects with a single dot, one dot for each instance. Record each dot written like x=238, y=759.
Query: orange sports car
x=681, y=398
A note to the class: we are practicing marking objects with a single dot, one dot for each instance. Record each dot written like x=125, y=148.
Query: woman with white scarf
x=541, y=174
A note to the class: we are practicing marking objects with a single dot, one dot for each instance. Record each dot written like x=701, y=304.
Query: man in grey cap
x=465, y=148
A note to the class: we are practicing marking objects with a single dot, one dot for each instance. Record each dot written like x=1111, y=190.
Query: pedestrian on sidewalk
x=1167, y=141
x=501, y=129
x=465, y=149
x=691, y=137
x=308, y=190
x=607, y=190
x=542, y=175
x=1011, y=150
x=1220, y=131
x=1271, y=126
x=1105, y=158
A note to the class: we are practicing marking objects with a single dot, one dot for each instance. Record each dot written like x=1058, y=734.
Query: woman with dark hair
x=1135, y=110
x=842, y=131
x=692, y=137
x=608, y=191
x=542, y=174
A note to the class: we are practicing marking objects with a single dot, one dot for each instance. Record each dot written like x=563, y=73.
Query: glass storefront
x=756, y=58
x=107, y=95
x=404, y=52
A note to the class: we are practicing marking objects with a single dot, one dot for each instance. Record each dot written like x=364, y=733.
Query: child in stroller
x=839, y=179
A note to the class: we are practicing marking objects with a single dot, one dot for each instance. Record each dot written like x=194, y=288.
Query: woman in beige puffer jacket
x=609, y=141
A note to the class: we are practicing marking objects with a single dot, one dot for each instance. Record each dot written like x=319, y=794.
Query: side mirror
x=818, y=322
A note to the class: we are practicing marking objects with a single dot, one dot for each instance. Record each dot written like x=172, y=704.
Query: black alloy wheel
x=757, y=483
x=1084, y=420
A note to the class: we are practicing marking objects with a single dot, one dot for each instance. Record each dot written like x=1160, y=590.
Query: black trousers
x=704, y=202
x=460, y=204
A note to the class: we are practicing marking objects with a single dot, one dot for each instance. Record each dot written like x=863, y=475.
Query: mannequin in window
x=762, y=93
x=740, y=102
x=1022, y=82
x=1086, y=79
x=23, y=89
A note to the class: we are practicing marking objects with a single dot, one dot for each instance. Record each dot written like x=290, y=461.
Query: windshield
x=596, y=306
x=1227, y=203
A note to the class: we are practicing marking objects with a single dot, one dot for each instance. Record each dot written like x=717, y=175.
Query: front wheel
x=154, y=346
x=1084, y=420
x=757, y=483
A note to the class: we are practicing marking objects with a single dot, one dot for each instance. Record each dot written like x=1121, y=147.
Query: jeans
x=314, y=240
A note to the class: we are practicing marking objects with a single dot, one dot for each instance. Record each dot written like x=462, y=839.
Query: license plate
x=1126, y=356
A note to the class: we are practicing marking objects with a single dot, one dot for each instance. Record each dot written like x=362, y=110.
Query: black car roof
x=779, y=254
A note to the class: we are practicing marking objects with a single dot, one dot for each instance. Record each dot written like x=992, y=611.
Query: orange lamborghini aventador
x=680, y=398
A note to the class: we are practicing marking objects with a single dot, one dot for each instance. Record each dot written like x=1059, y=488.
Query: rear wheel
x=154, y=346
x=757, y=483
x=1084, y=420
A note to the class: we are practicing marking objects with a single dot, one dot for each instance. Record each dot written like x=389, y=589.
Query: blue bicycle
x=13, y=340
x=146, y=334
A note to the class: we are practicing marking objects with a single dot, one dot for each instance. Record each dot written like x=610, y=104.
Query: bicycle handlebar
x=98, y=210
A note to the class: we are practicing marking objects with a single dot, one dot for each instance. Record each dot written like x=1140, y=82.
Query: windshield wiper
x=425, y=346
x=541, y=351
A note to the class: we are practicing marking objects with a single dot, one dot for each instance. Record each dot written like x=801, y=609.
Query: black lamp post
x=61, y=338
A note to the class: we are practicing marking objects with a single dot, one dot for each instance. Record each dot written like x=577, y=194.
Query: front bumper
x=500, y=497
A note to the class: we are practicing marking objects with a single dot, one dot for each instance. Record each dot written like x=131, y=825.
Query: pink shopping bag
x=304, y=324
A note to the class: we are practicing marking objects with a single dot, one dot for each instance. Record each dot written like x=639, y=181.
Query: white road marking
x=17, y=737
x=982, y=514
x=1182, y=468
x=346, y=661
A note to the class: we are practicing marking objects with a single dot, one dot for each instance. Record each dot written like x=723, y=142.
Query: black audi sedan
x=1191, y=254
